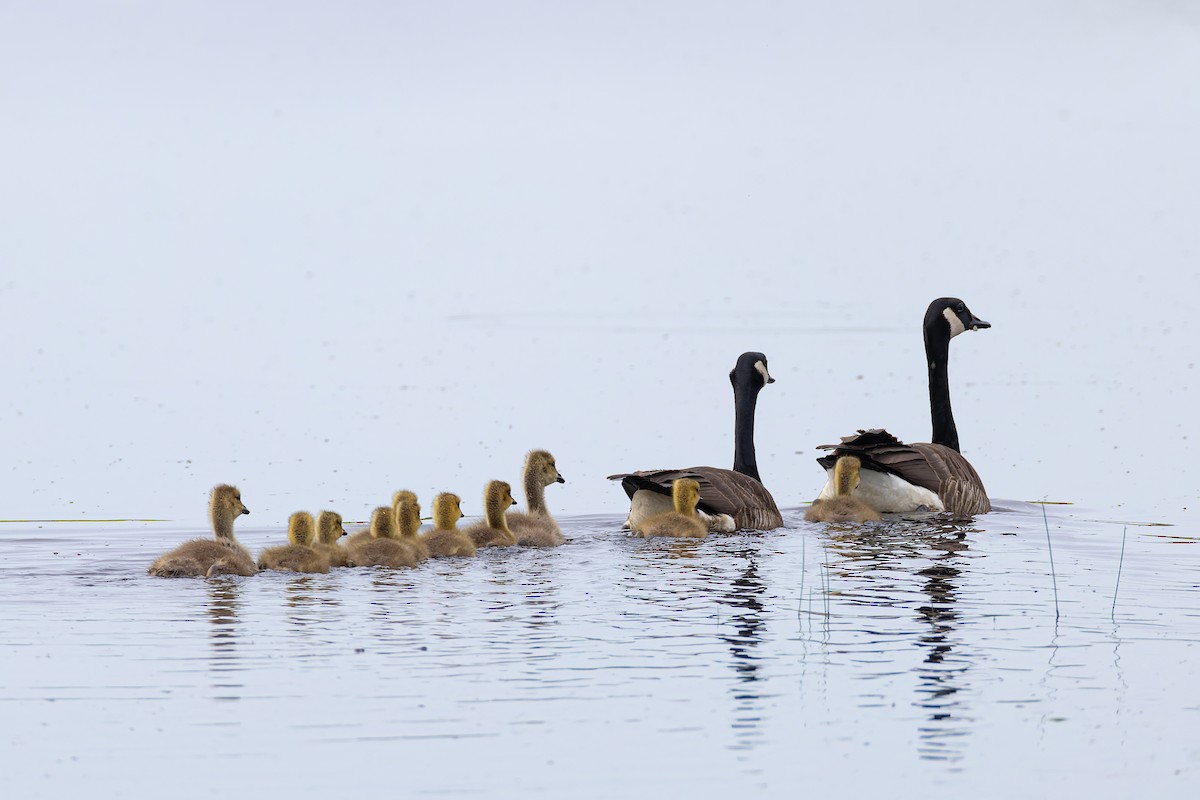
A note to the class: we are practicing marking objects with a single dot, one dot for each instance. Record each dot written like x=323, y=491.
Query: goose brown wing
x=935, y=467
x=722, y=491
x=961, y=489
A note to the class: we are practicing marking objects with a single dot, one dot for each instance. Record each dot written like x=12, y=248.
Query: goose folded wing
x=722, y=491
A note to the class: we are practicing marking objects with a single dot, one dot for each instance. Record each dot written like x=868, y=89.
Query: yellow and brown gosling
x=298, y=555
x=363, y=535
x=408, y=521
x=535, y=527
x=843, y=506
x=446, y=540
x=384, y=549
x=329, y=531
x=221, y=555
x=494, y=530
x=683, y=521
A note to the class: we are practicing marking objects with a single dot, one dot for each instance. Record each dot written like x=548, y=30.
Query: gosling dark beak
x=245, y=510
x=560, y=479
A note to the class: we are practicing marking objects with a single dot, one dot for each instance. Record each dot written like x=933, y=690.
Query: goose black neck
x=937, y=352
x=745, y=398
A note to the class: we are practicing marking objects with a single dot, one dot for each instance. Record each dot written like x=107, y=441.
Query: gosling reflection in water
x=223, y=605
x=931, y=551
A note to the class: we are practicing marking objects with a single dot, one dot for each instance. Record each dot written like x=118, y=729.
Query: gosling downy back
x=384, y=548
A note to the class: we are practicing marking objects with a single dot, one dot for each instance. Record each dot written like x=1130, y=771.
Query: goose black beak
x=770, y=380
x=978, y=324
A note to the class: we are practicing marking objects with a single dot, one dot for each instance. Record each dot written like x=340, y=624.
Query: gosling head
x=447, y=511
x=948, y=317
x=846, y=475
x=224, y=506
x=408, y=516
x=300, y=529
x=403, y=496
x=750, y=372
x=383, y=523
x=330, y=527
x=685, y=495
x=540, y=464
x=498, y=495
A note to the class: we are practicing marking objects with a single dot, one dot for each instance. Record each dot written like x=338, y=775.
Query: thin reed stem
x=1053, y=574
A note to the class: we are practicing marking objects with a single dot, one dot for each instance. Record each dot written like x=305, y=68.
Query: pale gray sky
x=329, y=250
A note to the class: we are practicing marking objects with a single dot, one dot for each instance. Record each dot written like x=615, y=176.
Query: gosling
x=363, y=535
x=408, y=520
x=843, y=506
x=298, y=555
x=384, y=549
x=535, y=527
x=494, y=530
x=683, y=522
x=446, y=540
x=329, y=530
x=222, y=555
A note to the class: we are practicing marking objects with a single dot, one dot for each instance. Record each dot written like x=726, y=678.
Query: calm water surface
x=914, y=658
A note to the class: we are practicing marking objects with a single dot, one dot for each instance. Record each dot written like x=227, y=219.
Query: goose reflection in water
x=222, y=609
x=744, y=595
x=931, y=550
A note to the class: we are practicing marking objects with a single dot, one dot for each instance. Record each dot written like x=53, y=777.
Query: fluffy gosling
x=384, y=548
x=682, y=522
x=446, y=540
x=221, y=555
x=843, y=506
x=494, y=531
x=535, y=527
x=298, y=555
x=329, y=530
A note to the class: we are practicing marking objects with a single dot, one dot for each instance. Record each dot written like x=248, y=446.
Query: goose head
x=300, y=529
x=750, y=372
x=685, y=495
x=447, y=511
x=329, y=527
x=949, y=316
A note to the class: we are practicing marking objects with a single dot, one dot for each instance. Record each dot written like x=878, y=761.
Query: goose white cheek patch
x=762, y=370
x=956, y=326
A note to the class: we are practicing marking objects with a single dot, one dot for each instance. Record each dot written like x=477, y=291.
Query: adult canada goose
x=843, y=506
x=494, y=531
x=446, y=540
x=923, y=476
x=681, y=522
x=535, y=527
x=329, y=531
x=384, y=549
x=221, y=555
x=298, y=555
x=730, y=499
